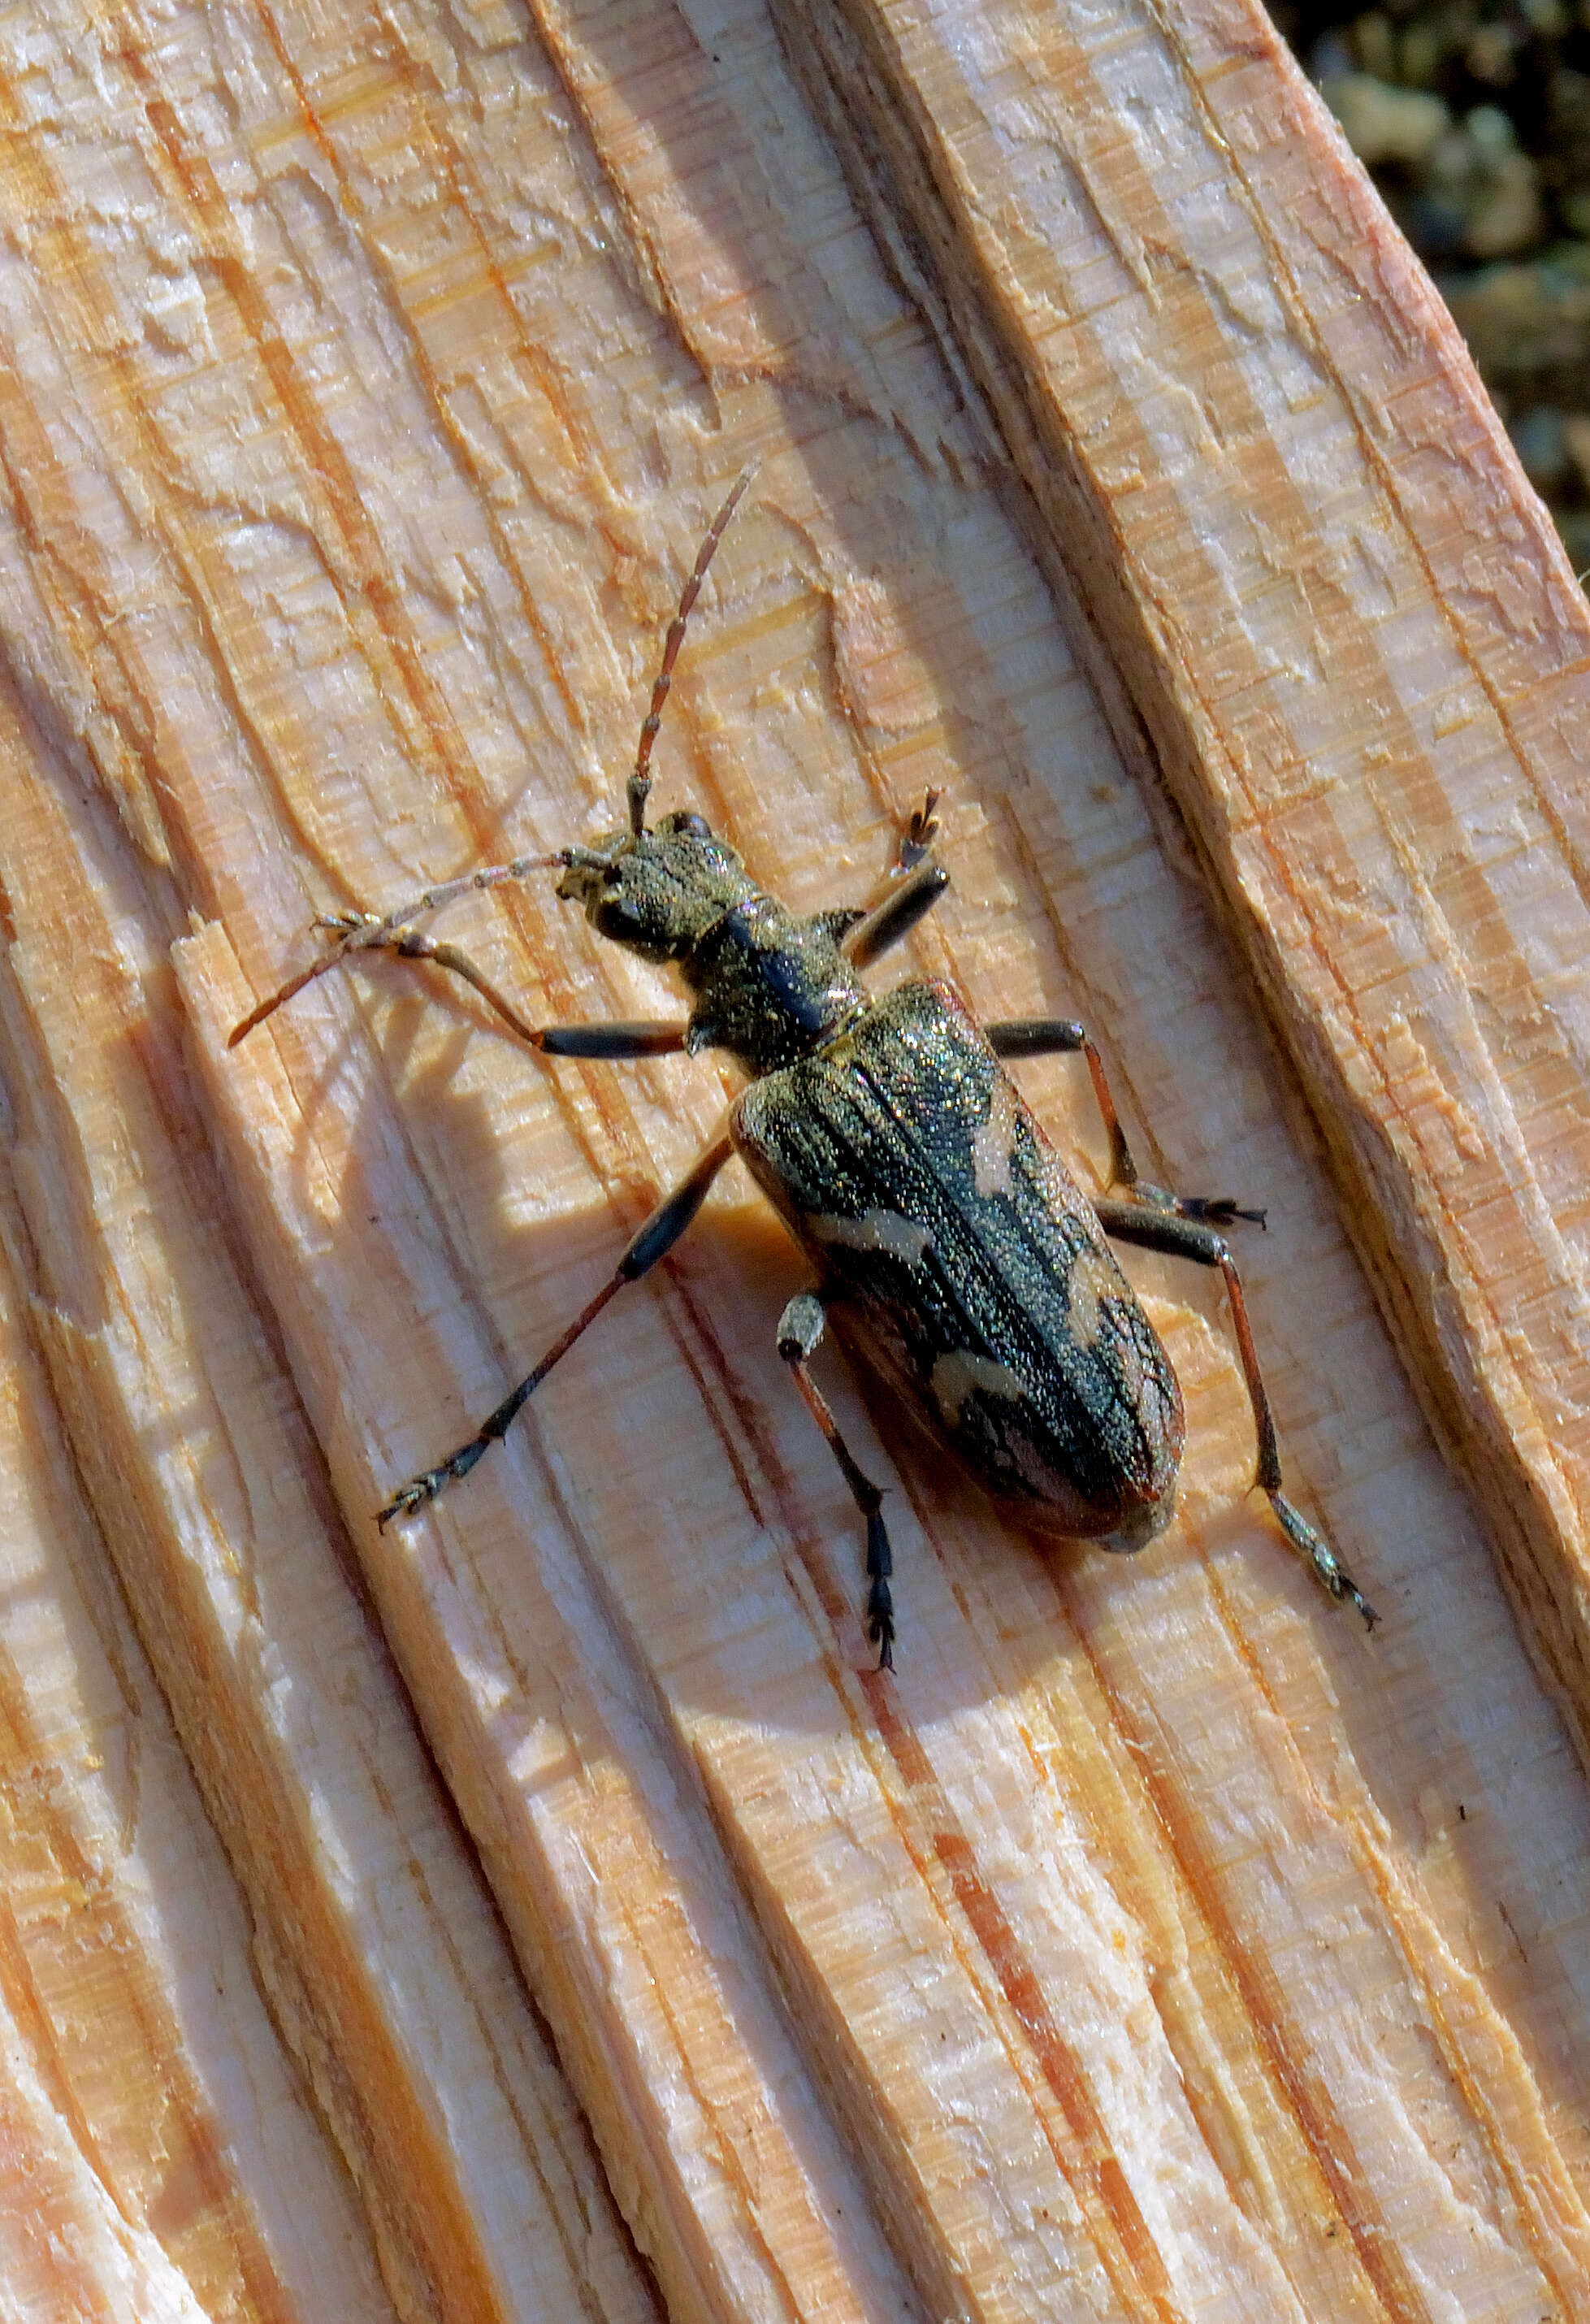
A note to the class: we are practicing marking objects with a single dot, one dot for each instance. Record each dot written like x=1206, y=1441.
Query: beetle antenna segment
x=640, y=781
x=447, y=891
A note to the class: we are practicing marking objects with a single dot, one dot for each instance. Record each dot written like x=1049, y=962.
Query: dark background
x=1474, y=119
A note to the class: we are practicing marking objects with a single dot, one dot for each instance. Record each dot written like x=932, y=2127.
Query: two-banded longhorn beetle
x=957, y=1254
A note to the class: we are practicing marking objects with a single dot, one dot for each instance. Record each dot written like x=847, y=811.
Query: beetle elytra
x=957, y=1253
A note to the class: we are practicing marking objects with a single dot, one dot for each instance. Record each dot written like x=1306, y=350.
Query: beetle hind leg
x=1153, y=1228
x=1311, y=1545
x=800, y=1328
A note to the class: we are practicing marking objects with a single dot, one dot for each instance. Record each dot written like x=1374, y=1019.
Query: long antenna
x=640, y=781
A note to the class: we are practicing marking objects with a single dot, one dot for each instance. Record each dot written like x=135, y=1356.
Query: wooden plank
x=1153, y=1944
x=1251, y=436
x=361, y=1918
x=156, y=2158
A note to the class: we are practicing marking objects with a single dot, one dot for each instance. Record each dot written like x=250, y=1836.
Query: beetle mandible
x=956, y=1252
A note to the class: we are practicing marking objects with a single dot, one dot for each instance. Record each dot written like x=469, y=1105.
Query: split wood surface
x=1154, y=1944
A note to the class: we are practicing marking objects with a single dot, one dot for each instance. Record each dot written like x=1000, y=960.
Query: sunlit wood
x=1154, y=1944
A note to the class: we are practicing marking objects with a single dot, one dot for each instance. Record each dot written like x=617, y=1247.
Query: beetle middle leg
x=1049, y=1037
x=654, y=1240
x=800, y=1328
x=1153, y=1229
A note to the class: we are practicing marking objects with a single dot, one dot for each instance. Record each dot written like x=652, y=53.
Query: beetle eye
x=695, y=826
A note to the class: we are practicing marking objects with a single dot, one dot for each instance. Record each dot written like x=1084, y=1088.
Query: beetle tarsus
x=1208, y=1210
x=1169, y=1227
x=1217, y=1210
x=394, y=932
x=1318, y=1555
x=880, y=1604
x=1048, y=1037
x=413, y=1496
x=917, y=838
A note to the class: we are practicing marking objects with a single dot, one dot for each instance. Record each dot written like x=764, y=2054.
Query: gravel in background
x=1473, y=116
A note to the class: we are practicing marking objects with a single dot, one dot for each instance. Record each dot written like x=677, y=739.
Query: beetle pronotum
x=956, y=1252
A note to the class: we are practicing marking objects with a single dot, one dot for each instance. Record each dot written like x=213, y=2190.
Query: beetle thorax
x=769, y=986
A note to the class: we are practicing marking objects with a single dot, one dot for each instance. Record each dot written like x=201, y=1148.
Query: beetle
x=954, y=1250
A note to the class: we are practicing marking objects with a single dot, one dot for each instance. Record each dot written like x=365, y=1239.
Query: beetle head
x=657, y=891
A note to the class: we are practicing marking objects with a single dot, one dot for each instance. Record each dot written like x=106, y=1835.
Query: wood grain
x=1248, y=430
x=1154, y=1944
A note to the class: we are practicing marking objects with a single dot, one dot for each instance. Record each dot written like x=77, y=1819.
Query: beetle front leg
x=800, y=1328
x=886, y=922
x=913, y=886
x=1184, y=1238
x=391, y=931
x=632, y=1038
x=1049, y=1037
x=920, y=830
x=356, y=934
